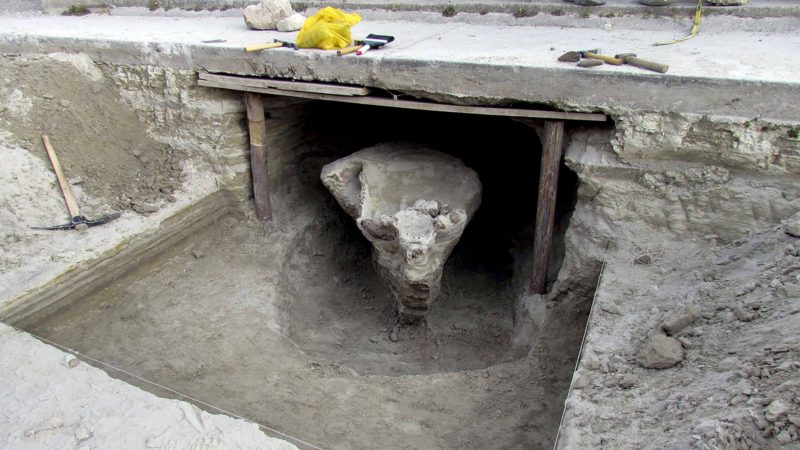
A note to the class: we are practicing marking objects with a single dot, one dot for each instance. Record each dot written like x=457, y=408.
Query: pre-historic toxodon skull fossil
x=413, y=204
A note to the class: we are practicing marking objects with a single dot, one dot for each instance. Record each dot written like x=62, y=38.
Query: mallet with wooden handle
x=77, y=221
x=630, y=58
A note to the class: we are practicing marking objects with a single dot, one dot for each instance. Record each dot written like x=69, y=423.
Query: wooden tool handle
x=255, y=48
x=72, y=205
x=645, y=64
x=604, y=58
x=348, y=50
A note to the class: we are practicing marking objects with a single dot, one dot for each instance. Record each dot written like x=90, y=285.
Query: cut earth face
x=413, y=205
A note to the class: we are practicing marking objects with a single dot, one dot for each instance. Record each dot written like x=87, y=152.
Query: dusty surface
x=51, y=401
x=66, y=97
x=295, y=318
x=486, y=62
x=735, y=310
x=97, y=137
x=515, y=44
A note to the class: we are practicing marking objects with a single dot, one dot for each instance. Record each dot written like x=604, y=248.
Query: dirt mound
x=99, y=140
x=735, y=311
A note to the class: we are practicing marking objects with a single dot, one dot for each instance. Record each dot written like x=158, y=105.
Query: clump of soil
x=99, y=140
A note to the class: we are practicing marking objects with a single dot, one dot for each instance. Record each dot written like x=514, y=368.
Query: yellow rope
x=695, y=27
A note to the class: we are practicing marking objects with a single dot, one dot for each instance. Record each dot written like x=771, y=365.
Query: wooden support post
x=258, y=155
x=552, y=147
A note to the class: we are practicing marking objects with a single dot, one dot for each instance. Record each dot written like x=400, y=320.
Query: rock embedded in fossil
x=413, y=204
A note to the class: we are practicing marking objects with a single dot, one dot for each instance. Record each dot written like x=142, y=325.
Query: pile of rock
x=273, y=15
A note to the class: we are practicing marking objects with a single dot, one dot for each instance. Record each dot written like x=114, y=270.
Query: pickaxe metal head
x=81, y=223
x=576, y=56
x=590, y=54
x=291, y=45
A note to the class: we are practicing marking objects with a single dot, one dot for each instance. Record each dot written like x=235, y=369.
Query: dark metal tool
x=274, y=44
x=631, y=59
x=77, y=221
x=576, y=56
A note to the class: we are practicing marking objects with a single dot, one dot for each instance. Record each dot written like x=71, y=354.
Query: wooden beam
x=232, y=83
x=286, y=85
x=552, y=147
x=258, y=155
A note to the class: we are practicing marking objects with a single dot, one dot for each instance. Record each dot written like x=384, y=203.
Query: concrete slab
x=755, y=9
x=707, y=74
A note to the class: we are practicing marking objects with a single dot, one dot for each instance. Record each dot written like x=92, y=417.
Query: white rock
x=291, y=23
x=660, y=352
x=776, y=410
x=582, y=381
x=71, y=361
x=784, y=437
x=83, y=433
x=792, y=226
x=267, y=14
x=677, y=321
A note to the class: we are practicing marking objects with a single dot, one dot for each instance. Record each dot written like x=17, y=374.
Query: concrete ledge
x=517, y=8
x=457, y=63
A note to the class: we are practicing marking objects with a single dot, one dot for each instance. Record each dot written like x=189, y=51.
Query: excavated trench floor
x=289, y=326
x=293, y=329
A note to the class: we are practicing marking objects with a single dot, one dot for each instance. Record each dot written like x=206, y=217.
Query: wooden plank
x=409, y=104
x=552, y=147
x=284, y=85
x=258, y=155
x=72, y=205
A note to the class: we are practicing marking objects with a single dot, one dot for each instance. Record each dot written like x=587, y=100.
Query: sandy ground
x=292, y=316
x=103, y=147
x=735, y=385
x=50, y=400
x=290, y=327
x=109, y=159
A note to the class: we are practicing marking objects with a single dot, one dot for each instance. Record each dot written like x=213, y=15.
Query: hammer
x=77, y=221
x=576, y=56
x=274, y=44
x=630, y=58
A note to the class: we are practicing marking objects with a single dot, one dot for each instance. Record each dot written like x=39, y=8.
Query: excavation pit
x=290, y=326
x=689, y=203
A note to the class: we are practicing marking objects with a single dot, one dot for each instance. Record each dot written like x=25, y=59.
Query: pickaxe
x=77, y=221
x=576, y=56
x=274, y=44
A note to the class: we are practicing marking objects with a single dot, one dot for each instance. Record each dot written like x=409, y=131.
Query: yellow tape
x=695, y=27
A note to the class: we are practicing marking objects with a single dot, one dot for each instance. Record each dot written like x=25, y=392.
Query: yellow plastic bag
x=327, y=29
